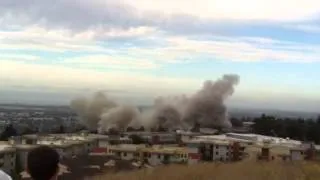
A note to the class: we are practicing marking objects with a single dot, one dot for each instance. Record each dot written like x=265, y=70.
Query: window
x=29, y=141
x=217, y=153
x=217, y=147
x=124, y=154
x=227, y=153
x=159, y=156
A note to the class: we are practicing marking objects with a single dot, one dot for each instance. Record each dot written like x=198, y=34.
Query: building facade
x=8, y=159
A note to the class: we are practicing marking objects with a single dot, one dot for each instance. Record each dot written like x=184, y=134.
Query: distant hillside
x=248, y=170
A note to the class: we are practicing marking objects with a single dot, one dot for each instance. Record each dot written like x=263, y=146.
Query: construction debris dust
x=205, y=107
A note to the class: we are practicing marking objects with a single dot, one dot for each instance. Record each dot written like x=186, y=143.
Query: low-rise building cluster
x=158, y=147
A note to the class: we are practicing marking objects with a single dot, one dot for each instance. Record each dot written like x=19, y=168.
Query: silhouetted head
x=43, y=163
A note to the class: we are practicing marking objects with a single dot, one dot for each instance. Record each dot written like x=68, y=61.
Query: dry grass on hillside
x=246, y=170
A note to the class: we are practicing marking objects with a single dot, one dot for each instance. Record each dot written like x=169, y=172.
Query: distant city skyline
x=53, y=51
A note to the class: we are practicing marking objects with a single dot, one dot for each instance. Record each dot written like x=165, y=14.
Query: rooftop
x=165, y=150
x=209, y=141
x=126, y=147
x=6, y=148
x=222, y=137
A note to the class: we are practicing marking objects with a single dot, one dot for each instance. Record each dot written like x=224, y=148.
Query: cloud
x=59, y=40
x=268, y=10
x=38, y=38
x=160, y=49
x=67, y=77
x=20, y=57
x=83, y=15
x=245, y=49
x=308, y=28
x=110, y=61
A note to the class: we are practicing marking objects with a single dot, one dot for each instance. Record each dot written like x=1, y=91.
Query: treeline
x=10, y=131
x=299, y=129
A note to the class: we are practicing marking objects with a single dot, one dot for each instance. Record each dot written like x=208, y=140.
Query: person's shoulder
x=4, y=176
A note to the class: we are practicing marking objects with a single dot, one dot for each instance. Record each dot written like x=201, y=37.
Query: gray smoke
x=117, y=118
x=205, y=107
x=90, y=110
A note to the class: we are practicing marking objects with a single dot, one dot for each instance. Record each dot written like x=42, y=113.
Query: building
x=29, y=139
x=184, y=136
x=125, y=151
x=67, y=145
x=155, y=137
x=22, y=151
x=297, y=153
x=249, y=137
x=7, y=159
x=158, y=155
x=153, y=155
x=214, y=150
x=106, y=140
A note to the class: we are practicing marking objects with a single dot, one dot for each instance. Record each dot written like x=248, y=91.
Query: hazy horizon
x=135, y=51
x=65, y=101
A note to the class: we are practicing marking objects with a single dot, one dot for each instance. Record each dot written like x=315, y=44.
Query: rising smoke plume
x=206, y=107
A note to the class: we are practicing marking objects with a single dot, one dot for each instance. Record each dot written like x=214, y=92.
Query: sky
x=135, y=50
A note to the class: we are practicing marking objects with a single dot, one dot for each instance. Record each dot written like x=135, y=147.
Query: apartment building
x=214, y=150
x=125, y=151
x=158, y=155
x=7, y=159
x=297, y=153
x=22, y=151
x=153, y=155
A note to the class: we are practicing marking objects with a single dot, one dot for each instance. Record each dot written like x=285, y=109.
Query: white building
x=162, y=155
x=194, y=155
x=22, y=151
x=154, y=156
x=211, y=149
x=221, y=151
x=7, y=159
x=105, y=140
x=125, y=151
x=297, y=154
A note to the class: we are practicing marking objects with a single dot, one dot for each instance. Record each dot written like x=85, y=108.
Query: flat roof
x=223, y=137
x=25, y=146
x=6, y=148
x=244, y=135
x=165, y=150
x=30, y=136
x=209, y=141
x=297, y=149
x=126, y=147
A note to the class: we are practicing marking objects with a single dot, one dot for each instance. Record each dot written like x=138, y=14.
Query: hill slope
x=247, y=170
